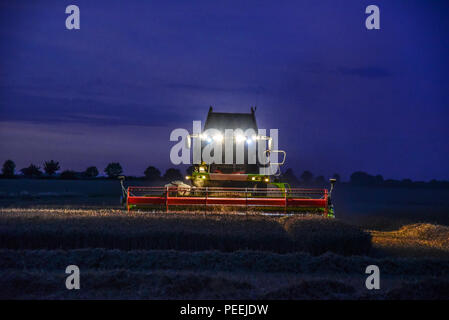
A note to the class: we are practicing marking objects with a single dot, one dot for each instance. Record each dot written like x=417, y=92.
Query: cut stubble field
x=155, y=255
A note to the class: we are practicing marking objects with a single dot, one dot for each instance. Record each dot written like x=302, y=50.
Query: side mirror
x=269, y=152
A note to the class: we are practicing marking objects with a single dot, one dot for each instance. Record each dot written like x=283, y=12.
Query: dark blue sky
x=344, y=98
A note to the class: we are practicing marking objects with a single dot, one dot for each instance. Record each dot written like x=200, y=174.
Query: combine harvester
x=245, y=184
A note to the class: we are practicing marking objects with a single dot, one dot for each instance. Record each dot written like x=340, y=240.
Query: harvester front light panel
x=206, y=138
x=240, y=138
x=218, y=138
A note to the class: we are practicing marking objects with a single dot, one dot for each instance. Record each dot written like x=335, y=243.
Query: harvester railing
x=239, y=197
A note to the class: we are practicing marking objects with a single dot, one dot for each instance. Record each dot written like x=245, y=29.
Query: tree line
x=360, y=178
x=112, y=170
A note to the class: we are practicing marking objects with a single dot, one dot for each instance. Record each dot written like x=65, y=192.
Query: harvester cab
x=244, y=155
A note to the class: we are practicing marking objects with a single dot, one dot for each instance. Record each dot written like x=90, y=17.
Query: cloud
x=45, y=108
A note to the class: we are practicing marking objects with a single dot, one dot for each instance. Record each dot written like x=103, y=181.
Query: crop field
x=47, y=225
x=117, y=229
x=158, y=255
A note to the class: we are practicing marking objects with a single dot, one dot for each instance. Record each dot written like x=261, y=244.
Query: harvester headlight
x=188, y=177
x=218, y=138
x=266, y=180
x=240, y=138
x=253, y=178
x=204, y=177
x=205, y=137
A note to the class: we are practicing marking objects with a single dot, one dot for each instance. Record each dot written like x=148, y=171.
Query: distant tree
x=289, y=176
x=362, y=178
x=431, y=184
x=68, y=175
x=337, y=177
x=50, y=167
x=378, y=179
x=320, y=180
x=113, y=170
x=407, y=182
x=91, y=172
x=392, y=183
x=31, y=171
x=8, y=169
x=173, y=174
x=152, y=173
x=306, y=177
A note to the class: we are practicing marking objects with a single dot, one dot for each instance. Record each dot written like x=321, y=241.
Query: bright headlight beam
x=240, y=138
x=205, y=137
x=218, y=138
